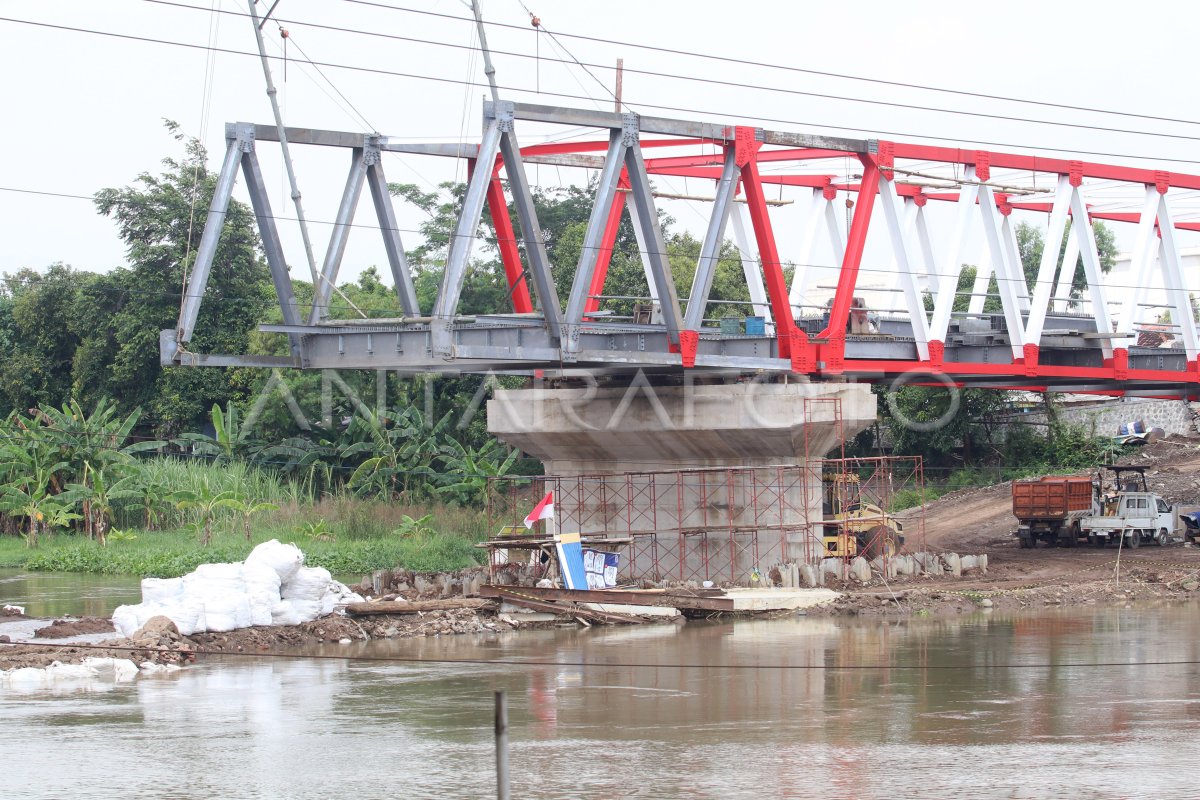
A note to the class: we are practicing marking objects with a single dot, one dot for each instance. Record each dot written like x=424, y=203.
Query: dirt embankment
x=981, y=521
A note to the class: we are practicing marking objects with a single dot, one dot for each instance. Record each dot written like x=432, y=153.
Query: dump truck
x=1051, y=509
x=1129, y=511
x=852, y=525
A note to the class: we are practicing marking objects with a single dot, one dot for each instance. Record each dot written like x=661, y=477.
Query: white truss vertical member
x=808, y=237
x=1013, y=251
x=952, y=266
x=904, y=273
x=1091, y=267
x=927, y=276
x=643, y=248
x=983, y=281
x=910, y=218
x=749, y=257
x=836, y=239
x=1045, y=277
x=1066, y=275
x=1182, y=315
x=1005, y=275
x=1140, y=268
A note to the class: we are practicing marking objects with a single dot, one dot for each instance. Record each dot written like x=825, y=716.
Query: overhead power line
x=588, y=66
x=661, y=107
x=801, y=70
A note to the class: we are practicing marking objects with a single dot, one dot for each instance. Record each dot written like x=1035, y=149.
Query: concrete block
x=969, y=563
x=808, y=575
x=930, y=564
x=471, y=584
x=794, y=571
x=860, y=570
x=831, y=566
x=424, y=586
x=982, y=559
x=905, y=565
x=953, y=564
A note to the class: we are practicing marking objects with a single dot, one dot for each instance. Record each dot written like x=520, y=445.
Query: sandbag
x=285, y=559
x=161, y=590
x=308, y=584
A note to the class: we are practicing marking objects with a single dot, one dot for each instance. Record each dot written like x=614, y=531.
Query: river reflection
x=987, y=706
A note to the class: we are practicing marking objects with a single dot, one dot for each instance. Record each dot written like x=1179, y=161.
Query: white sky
x=84, y=111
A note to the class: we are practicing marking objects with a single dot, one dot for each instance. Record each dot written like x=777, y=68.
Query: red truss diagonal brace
x=604, y=258
x=747, y=148
x=510, y=253
x=856, y=240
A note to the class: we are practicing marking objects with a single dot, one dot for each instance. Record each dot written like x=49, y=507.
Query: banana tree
x=205, y=502
x=247, y=508
x=467, y=470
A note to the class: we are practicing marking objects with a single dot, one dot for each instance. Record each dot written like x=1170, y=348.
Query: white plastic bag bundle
x=128, y=619
x=338, y=594
x=262, y=590
x=161, y=590
x=285, y=559
x=285, y=613
x=308, y=584
x=226, y=612
x=272, y=587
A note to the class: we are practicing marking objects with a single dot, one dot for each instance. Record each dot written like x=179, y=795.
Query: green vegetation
x=111, y=463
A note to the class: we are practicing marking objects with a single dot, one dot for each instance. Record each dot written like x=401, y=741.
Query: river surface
x=1060, y=704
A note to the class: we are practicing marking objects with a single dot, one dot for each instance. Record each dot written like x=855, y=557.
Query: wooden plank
x=414, y=606
x=520, y=598
x=618, y=597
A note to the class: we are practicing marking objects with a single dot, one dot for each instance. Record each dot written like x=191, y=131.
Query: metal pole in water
x=502, y=746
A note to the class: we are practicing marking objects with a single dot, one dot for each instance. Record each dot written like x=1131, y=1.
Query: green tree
x=39, y=335
x=161, y=219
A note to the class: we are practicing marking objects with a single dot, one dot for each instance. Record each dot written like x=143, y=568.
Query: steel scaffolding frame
x=714, y=524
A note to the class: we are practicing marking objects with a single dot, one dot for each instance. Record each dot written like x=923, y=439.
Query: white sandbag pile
x=271, y=587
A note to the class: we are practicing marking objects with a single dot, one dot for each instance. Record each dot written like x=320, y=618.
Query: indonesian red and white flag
x=543, y=510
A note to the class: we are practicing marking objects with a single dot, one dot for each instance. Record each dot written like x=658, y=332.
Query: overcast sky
x=84, y=111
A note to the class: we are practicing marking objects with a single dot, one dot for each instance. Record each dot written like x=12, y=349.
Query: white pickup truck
x=1133, y=513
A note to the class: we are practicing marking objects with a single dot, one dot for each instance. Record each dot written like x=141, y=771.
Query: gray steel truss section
x=606, y=192
x=446, y=305
x=531, y=230
x=337, y=239
x=656, y=250
x=401, y=275
x=269, y=234
x=240, y=139
x=710, y=252
x=678, y=127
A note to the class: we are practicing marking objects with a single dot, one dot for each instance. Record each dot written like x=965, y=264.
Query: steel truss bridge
x=1033, y=343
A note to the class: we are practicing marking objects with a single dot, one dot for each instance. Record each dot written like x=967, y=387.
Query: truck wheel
x=879, y=541
x=1163, y=538
x=1135, y=540
x=1025, y=542
x=1094, y=540
x=1067, y=538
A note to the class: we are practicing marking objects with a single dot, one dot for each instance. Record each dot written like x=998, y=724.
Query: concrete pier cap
x=644, y=427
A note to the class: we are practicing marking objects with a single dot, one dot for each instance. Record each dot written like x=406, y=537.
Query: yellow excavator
x=853, y=526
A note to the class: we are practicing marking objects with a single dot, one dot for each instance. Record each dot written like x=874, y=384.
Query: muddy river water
x=1045, y=705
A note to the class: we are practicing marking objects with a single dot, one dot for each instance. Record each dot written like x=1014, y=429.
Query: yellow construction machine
x=851, y=525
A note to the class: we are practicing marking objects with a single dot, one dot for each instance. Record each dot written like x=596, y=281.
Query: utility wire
x=680, y=109
x=752, y=63
x=587, y=66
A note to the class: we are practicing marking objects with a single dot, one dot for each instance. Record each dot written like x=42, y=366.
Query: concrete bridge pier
x=615, y=439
